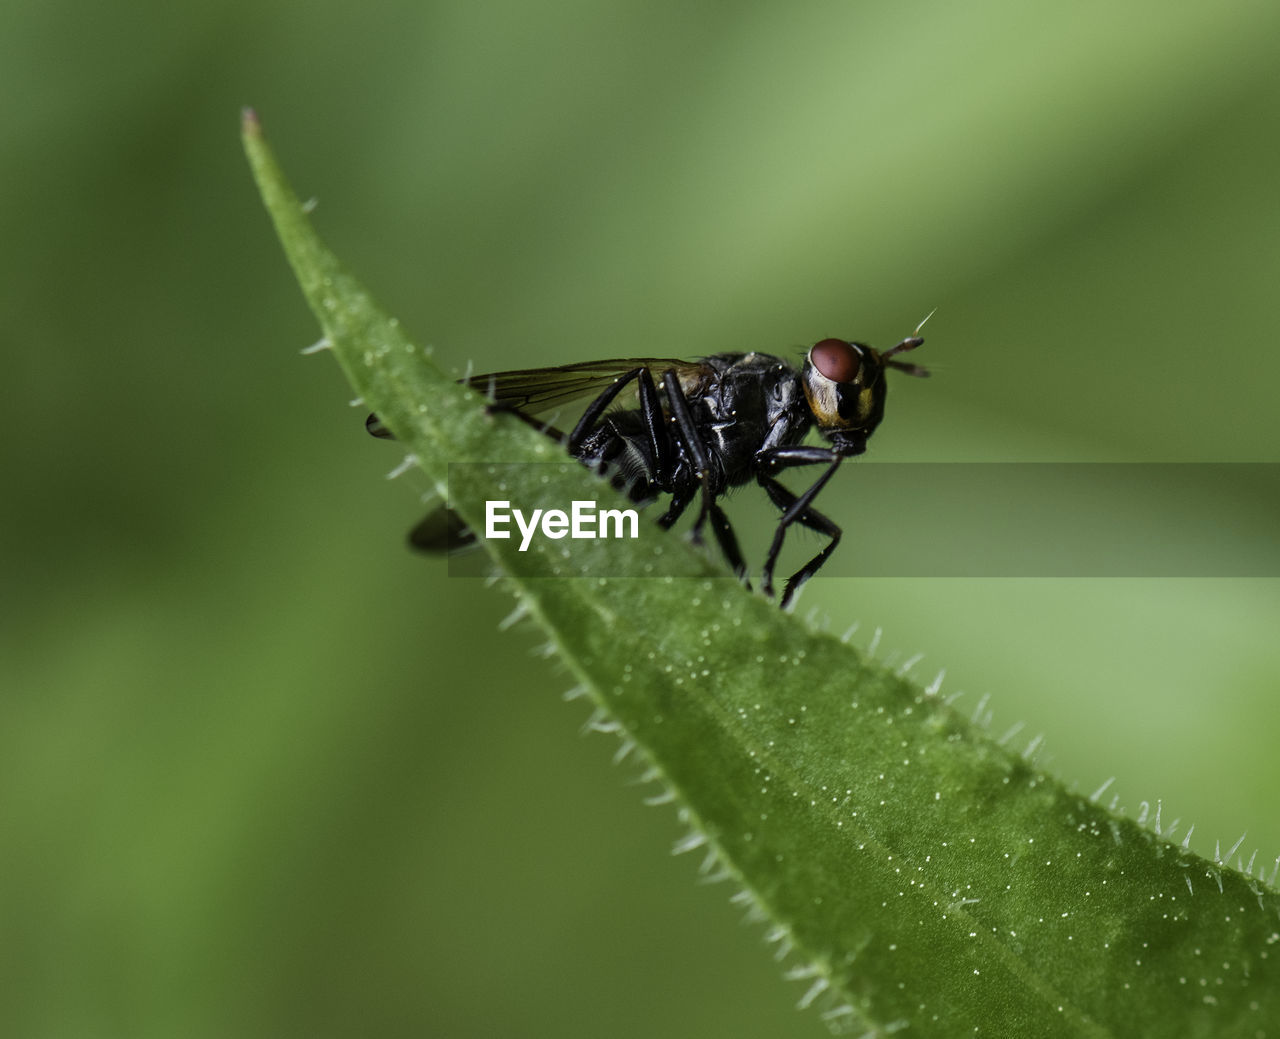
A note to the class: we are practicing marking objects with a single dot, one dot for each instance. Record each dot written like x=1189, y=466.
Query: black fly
x=716, y=423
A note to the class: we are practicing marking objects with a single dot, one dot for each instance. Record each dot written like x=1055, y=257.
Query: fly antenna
x=909, y=343
x=918, y=370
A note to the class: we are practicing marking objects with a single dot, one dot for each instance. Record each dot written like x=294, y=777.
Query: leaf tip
x=250, y=124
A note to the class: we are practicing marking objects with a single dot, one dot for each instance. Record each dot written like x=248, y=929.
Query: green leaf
x=912, y=871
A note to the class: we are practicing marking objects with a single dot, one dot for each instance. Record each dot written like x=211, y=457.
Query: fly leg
x=720, y=526
x=679, y=502
x=796, y=509
x=596, y=409
x=687, y=433
x=814, y=520
x=663, y=450
x=728, y=543
x=660, y=446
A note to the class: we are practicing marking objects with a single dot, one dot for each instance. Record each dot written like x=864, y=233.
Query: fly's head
x=845, y=386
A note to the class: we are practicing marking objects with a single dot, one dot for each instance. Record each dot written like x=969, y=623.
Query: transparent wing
x=536, y=390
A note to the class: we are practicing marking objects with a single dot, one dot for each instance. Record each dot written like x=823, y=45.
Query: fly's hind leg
x=660, y=446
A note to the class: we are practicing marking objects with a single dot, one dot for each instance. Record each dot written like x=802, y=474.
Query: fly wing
x=537, y=390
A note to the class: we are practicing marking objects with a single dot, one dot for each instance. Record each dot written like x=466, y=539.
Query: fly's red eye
x=836, y=360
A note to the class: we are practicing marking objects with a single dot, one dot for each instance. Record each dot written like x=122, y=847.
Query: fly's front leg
x=687, y=433
x=795, y=509
x=814, y=520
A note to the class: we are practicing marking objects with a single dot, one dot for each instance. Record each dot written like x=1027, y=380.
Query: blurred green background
x=262, y=772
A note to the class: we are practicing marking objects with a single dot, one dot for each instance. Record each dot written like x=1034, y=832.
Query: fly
x=699, y=428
